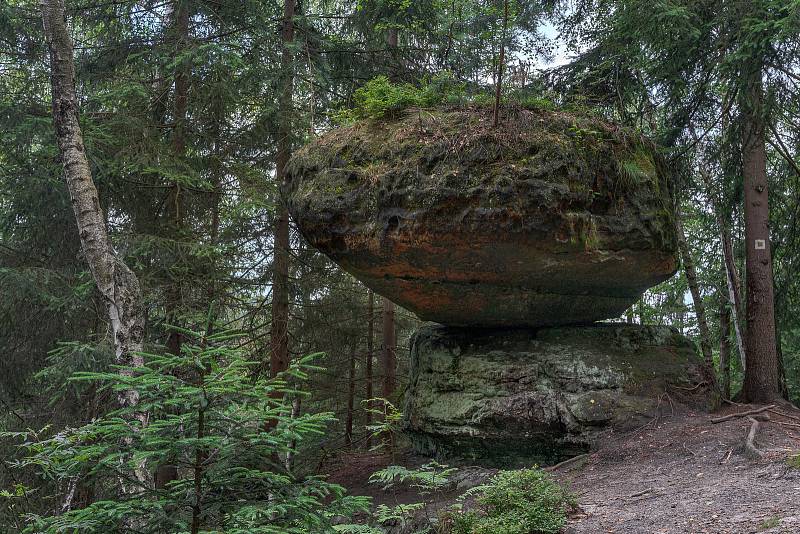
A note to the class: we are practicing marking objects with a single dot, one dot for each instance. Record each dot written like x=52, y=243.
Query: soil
x=678, y=474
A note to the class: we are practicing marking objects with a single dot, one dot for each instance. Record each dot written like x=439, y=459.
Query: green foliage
x=769, y=523
x=379, y=97
x=427, y=478
x=356, y=529
x=527, y=501
x=224, y=430
x=401, y=513
x=388, y=422
x=794, y=461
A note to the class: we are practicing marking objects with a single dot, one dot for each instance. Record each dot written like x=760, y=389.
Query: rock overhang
x=548, y=219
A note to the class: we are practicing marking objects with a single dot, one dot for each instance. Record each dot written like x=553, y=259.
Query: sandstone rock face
x=516, y=396
x=549, y=219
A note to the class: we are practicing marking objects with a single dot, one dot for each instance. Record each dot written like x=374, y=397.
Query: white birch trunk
x=117, y=284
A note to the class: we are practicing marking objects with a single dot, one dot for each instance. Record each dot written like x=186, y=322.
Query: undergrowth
x=527, y=501
x=380, y=98
x=794, y=461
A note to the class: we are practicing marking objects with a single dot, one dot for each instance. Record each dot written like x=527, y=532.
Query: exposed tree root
x=567, y=462
x=782, y=423
x=640, y=493
x=783, y=414
x=750, y=449
x=742, y=414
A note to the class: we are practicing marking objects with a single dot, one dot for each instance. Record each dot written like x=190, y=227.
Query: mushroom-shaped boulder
x=550, y=218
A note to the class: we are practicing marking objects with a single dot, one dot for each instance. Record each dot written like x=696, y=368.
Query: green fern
x=428, y=478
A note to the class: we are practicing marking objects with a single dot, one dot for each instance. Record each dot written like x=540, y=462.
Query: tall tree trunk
x=279, y=338
x=761, y=380
x=725, y=343
x=180, y=39
x=370, y=355
x=498, y=89
x=117, y=284
x=729, y=264
x=392, y=41
x=392, y=38
x=389, y=361
x=351, y=395
x=697, y=296
x=734, y=284
x=167, y=473
x=389, y=355
x=198, y=466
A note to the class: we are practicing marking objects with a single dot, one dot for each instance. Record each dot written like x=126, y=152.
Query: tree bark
x=500, y=66
x=725, y=344
x=734, y=284
x=729, y=263
x=392, y=42
x=167, y=473
x=279, y=338
x=174, y=288
x=199, y=462
x=389, y=355
x=697, y=296
x=392, y=38
x=351, y=394
x=117, y=284
x=761, y=380
x=370, y=355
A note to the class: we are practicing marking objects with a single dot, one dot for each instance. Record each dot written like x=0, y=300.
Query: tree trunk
x=279, y=338
x=389, y=356
x=500, y=66
x=370, y=354
x=725, y=344
x=734, y=284
x=166, y=473
x=351, y=394
x=199, y=462
x=729, y=262
x=174, y=287
x=697, y=296
x=117, y=284
x=761, y=380
x=392, y=38
x=392, y=41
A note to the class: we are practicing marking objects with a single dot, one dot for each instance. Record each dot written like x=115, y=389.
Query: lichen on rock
x=550, y=218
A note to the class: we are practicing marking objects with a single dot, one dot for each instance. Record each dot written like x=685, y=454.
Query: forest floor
x=679, y=474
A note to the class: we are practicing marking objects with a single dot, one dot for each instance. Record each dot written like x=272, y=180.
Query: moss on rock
x=507, y=397
x=550, y=218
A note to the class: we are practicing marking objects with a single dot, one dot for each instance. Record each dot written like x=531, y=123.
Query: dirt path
x=685, y=475
x=678, y=475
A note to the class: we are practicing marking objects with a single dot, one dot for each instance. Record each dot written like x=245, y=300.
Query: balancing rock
x=548, y=219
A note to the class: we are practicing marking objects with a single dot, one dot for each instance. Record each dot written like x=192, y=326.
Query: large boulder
x=548, y=219
x=516, y=396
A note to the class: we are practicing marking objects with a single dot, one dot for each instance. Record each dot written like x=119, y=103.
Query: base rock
x=520, y=396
